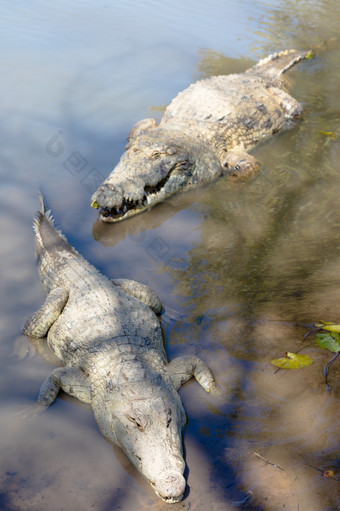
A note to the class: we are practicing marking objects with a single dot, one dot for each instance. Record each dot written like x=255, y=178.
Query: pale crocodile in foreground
x=205, y=132
x=109, y=338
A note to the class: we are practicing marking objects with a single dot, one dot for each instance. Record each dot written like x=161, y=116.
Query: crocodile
x=205, y=132
x=107, y=334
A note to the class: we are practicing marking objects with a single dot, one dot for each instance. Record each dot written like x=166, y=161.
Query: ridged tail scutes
x=42, y=202
x=276, y=64
x=45, y=228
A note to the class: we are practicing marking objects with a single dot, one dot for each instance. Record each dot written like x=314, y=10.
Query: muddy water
x=242, y=269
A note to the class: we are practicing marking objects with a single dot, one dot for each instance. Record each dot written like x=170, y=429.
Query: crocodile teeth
x=129, y=204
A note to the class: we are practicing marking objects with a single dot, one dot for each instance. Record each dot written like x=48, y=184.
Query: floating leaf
x=329, y=342
x=321, y=324
x=292, y=361
x=331, y=328
x=309, y=55
x=330, y=134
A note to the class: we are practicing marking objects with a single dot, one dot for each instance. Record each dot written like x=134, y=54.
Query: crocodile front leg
x=183, y=369
x=39, y=324
x=140, y=291
x=69, y=379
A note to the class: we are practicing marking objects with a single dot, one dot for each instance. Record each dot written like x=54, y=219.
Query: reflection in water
x=257, y=262
x=110, y=235
x=268, y=261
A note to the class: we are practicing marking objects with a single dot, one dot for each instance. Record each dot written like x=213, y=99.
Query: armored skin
x=108, y=336
x=205, y=132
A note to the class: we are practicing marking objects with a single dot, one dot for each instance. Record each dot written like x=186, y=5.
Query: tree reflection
x=268, y=261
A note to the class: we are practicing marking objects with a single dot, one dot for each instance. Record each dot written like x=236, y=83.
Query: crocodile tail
x=42, y=202
x=48, y=236
x=278, y=63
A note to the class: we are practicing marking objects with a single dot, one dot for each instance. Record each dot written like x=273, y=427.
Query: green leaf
x=292, y=361
x=329, y=342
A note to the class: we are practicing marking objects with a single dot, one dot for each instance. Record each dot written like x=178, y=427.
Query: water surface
x=242, y=269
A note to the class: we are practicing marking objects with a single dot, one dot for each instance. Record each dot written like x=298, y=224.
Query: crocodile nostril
x=108, y=196
x=172, y=485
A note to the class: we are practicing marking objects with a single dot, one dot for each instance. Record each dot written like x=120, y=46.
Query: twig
x=267, y=461
x=323, y=472
x=314, y=330
x=326, y=369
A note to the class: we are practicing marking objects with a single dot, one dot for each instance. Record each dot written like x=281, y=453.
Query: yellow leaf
x=331, y=328
x=94, y=204
x=292, y=361
x=330, y=134
x=321, y=323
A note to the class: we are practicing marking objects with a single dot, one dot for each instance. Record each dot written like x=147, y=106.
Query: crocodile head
x=155, y=165
x=147, y=421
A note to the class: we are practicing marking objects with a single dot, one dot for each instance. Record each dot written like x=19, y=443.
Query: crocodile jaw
x=152, y=196
x=154, y=166
x=146, y=419
x=173, y=487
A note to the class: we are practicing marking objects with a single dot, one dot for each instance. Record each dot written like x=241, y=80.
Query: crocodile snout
x=171, y=487
x=111, y=202
x=108, y=196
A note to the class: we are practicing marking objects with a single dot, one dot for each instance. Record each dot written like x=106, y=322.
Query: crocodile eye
x=183, y=165
x=137, y=422
x=237, y=167
x=169, y=419
x=139, y=426
x=155, y=154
